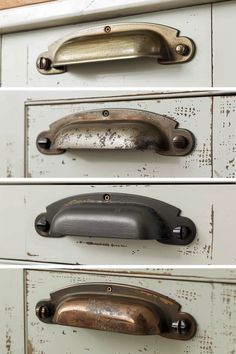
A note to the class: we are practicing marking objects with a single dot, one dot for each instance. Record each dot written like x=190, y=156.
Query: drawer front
x=12, y=311
x=193, y=114
x=205, y=205
x=211, y=304
x=193, y=22
x=224, y=30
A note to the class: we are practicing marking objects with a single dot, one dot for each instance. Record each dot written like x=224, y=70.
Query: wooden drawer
x=205, y=24
x=209, y=206
x=209, y=119
x=193, y=22
x=209, y=299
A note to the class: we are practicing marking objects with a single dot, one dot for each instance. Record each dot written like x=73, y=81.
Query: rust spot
x=30, y=349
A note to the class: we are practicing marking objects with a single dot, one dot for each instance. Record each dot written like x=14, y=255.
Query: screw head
x=105, y=113
x=42, y=225
x=182, y=49
x=107, y=29
x=180, y=326
x=44, y=143
x=106, y=197
x=44, y=63
x=181, y=232
x=43, y=312
x=180, y=142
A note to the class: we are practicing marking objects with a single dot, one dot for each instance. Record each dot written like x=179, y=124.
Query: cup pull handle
x=117, y=308
x=116, y=215
x=114, y=42
x=118, y=129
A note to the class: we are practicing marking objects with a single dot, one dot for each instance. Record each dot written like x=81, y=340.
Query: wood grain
x=7, y=4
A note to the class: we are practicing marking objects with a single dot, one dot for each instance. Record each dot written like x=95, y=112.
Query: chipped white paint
x=193, y=22
x=224, y=138
x=12, y=311
x=212, y=304
x=224, y=53
x=193, y=114
x=206, y=205
x=73, y=11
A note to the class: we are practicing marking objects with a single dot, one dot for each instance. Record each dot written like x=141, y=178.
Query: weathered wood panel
x=212, y=304
x=6, y=4
x=224, y=137
x=193, y=114
x=12, y=311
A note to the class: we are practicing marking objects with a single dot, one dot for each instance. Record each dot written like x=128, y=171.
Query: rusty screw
x=105, y=113
x=107, y=29
x=109, y=289
x=106, y=197
x=180, y=142
x=44, y=63
x=182, y=49
x=181, y=232
x=180, y=326
x=43, y=312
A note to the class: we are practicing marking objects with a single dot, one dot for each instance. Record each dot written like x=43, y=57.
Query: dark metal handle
x=117, y=308
x=114, y=42
x=115, y=215
x=116, y=129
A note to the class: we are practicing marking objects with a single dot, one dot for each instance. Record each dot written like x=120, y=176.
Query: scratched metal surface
x=206, y=205
x=193, y=114
x=212, y=304
x=11, y=311
x=193, y=22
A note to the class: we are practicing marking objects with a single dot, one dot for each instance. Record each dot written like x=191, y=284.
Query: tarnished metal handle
x=116, y=215
x=117, y=308
x=114, y=42
x=116, y=129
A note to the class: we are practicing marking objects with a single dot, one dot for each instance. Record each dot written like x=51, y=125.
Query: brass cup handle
x=116, y=129
x=116, y=216
x=114, y=42
x=117, y=308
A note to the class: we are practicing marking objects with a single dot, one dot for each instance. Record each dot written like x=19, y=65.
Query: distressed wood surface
x=224, y=139
x=6, y=4
x=192, y=114
x=211, y=119
x=193, y=22
x=206, y=205
x=12, y=311
x=213, y=305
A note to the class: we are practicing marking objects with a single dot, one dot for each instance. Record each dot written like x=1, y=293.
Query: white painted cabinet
x=210, y=117
x=124, y=73
x=209, y=299
x=205, y=24
x=209, y=206
x=208, y=295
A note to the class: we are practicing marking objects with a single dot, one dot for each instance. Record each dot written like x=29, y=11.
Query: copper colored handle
x=117, y=308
